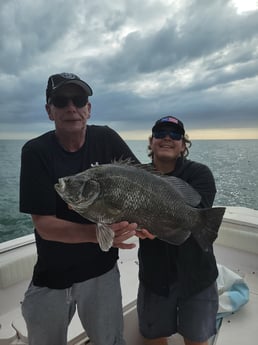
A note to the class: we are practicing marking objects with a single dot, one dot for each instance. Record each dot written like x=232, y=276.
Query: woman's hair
x=185, y=153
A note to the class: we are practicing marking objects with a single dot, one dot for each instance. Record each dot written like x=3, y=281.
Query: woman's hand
x=143, y=234
x=123, y=231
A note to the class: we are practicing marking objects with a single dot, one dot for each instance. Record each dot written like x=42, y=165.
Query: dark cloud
x=28, y=29
x=195, y=59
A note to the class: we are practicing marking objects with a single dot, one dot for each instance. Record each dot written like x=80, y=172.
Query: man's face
x=69, y=109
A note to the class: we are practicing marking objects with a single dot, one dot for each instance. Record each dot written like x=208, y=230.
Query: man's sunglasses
x=163, y=134
x=63, y=101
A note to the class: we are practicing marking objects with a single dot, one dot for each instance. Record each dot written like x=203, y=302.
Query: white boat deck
x=236, y=248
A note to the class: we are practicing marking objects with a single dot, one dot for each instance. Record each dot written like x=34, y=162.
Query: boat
x=236, y=251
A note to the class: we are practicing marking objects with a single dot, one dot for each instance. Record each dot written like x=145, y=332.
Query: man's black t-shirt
x=59, y=265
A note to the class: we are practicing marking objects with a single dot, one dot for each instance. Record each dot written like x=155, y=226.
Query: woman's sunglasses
x=63, y=101
x=163, y=134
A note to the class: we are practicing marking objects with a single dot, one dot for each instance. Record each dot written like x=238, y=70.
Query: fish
x=164, y=205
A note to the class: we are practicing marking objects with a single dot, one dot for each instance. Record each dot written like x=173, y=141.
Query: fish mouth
x=60, y=186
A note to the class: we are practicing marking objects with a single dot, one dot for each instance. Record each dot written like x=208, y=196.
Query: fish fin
x=185, y=190
x=147, y=167
x=177, y=240
x=131, y=162
x=124, y=161
x=212, y=218
x=105, y=236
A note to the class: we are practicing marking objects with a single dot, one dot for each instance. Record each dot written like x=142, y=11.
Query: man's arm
x=54, y=229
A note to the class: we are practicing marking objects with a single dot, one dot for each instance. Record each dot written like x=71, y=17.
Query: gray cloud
x=194, y=59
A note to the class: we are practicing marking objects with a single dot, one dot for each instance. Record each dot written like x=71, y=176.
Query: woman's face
x=166, y=149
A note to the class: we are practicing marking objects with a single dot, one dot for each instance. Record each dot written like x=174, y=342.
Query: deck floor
x=237, y=329
x=242, y=327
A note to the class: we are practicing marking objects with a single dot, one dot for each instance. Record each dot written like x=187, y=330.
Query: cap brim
x=168, y=125
x=82, y=84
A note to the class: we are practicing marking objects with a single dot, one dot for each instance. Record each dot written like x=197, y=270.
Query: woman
x=177, y=291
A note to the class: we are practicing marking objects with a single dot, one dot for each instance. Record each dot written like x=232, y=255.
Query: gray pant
x=48, y=312
x=194, y=317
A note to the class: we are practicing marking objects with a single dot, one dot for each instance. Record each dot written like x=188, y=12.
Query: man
x=177, y=291
x=71, y=270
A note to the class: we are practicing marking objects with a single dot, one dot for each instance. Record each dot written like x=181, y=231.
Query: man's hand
x=123, y=231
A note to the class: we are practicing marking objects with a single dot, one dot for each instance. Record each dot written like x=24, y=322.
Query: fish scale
x=165, y=206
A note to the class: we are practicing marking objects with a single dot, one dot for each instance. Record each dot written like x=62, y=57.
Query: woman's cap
x=169, y=121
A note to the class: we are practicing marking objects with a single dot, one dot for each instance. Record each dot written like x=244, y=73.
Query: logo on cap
x=69, y=76
x=169, y=119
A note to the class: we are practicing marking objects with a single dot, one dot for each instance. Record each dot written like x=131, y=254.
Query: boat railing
x=16, y=243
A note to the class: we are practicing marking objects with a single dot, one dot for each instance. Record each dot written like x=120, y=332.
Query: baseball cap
x=169, y=121
x=55, y=81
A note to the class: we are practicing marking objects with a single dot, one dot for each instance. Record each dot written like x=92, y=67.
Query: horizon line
x=194, y=134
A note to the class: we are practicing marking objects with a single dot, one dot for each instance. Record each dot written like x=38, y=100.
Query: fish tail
x=206, y=231
x=105, y=236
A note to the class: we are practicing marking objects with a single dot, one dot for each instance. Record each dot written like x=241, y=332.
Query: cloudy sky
x=195, y=59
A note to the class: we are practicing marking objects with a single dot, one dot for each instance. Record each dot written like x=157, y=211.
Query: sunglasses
x=163, y=134
x=63, y=101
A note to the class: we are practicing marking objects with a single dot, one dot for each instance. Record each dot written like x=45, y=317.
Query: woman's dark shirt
x=161, y=263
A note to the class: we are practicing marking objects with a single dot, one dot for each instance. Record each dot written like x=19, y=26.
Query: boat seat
x=17, y=265
x=239, y=234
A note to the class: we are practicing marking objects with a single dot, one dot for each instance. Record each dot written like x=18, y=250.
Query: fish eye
x=91, y=189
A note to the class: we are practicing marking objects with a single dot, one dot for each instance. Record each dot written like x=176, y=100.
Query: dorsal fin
x=143, y=166
x=186, y=191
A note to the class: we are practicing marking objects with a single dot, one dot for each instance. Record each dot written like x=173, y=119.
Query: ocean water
x=234, y=164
